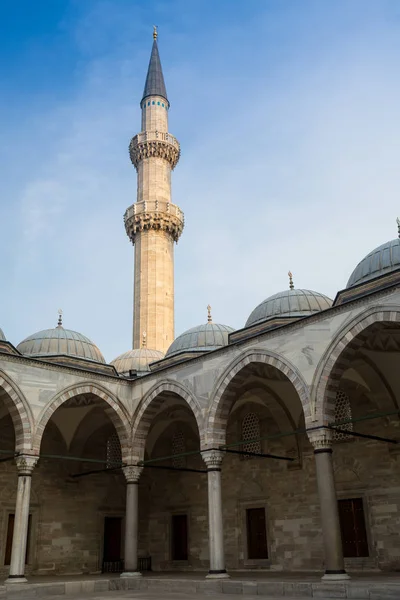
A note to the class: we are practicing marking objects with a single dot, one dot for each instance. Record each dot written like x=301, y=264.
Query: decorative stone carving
x=158, y=215
x=26, y=463
x=132, y=473
x=154, y=144
x=321, y=439
x=213, y=458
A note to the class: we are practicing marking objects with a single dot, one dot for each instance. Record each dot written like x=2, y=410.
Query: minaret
x=153, y=223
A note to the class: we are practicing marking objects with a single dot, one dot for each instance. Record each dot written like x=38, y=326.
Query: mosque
x=275, y=447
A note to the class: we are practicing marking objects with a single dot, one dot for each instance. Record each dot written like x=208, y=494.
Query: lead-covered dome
x=382, y=260
x=202, y=338
x=136, y=360
x=60, y=341
x=289, y=303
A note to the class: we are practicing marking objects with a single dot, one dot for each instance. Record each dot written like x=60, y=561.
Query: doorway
x=112, y=560
x=179, y=537
x=257, y=547
x=9, y=539
x=352, y=527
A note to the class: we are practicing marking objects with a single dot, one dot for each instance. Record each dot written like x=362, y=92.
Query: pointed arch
x=338, y=355
x=116, y=412
x=224, y=393
x=149, y=406
x=20, y=412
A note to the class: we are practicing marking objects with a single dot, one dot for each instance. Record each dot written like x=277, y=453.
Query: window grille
x=113, y=452
x=251, y=431
x=342, y=412
x=178, y=448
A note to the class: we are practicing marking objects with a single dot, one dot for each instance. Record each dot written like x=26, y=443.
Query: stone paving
x=148, y=596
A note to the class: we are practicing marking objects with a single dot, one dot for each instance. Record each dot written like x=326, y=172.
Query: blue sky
x=288, y=117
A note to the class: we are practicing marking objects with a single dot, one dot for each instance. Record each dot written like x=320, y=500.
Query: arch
x=223, y=398
x=20, y=412
x=337, y=357
x=114, y=410
x=149, y=406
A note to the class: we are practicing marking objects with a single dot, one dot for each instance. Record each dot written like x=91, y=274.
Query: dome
x=136, y=360
x=60, y=341
x=202, y=338
x=289, y=303
x=2, y=336
x=382, y=260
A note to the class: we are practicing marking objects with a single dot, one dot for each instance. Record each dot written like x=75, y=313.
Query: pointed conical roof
x=155, y=85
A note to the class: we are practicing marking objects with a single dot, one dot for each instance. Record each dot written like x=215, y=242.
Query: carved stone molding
x=26, y=463
x=154, y=144
x=321, y=439
x=132, y=473
x=213, y=458
x=157, y=215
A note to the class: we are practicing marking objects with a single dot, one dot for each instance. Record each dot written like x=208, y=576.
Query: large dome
x=60, y=341
x=382, y=260
x=289, y=303
x=136, y=360
x=202, y=338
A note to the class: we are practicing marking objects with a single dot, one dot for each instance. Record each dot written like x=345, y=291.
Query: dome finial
x=144, y=340
x=291, y=284
x=209, y=317
x=398, y=225
x=155, y=32
x=60, y=314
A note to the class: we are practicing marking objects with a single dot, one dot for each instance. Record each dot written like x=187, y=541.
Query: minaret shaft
x=153, y=223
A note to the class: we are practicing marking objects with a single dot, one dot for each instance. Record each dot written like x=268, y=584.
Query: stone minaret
x=153, y=223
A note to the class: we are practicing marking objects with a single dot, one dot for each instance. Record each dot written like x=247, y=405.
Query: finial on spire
x=155, y=32
x=144, y=340
x=291, y=284
x=209, y=317
x=398, y=225
x=60, y=314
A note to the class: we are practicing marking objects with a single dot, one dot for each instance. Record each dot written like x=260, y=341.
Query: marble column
x=132, y=475
x=25, y=465
x=213, y=460
x=334, y=561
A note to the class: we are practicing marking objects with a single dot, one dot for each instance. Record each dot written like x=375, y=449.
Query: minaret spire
x=153, y=223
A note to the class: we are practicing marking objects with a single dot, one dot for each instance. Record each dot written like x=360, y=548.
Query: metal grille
x=251, y=431
x=342, y=412
x=113, y=452
x=178, y=448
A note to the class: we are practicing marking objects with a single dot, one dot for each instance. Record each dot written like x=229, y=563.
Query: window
x=113, y=452
x=179, y=537
x=352, y=527
x=9, y=539
x=342, y=413
x=148, y=104
x=178, y=448
x=158, y=103
x=153, y=102
x=256, y=533
x=251, y=431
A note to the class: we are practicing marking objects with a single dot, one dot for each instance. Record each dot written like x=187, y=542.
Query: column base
x=335, y=576
x=218, y=574
x=16, y=579
x=131, y=574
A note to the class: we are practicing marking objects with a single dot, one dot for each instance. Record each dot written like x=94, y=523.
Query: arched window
x=178, y=447
x=113, y=452
x=251, y=431
x=342, y=413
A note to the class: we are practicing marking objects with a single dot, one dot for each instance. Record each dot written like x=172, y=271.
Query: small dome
x=202, y=338
x=60, y=341
x=2, y=336
x=136, y=360
x=382, y=260
x=289, y=303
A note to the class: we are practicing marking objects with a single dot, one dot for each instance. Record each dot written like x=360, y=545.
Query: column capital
x=132, y=473
x=26, y=463
x=321, y=439
x=213, y=459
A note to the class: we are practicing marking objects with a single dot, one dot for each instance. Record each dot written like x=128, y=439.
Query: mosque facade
x=275, y=447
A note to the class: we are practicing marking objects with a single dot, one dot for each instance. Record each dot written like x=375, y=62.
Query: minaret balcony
x=150, y=144
x=154, y=214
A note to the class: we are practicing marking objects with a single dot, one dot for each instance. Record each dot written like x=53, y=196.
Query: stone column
x=334, y=562
x=132, y=475
x=25, y=465
x=213, y=460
